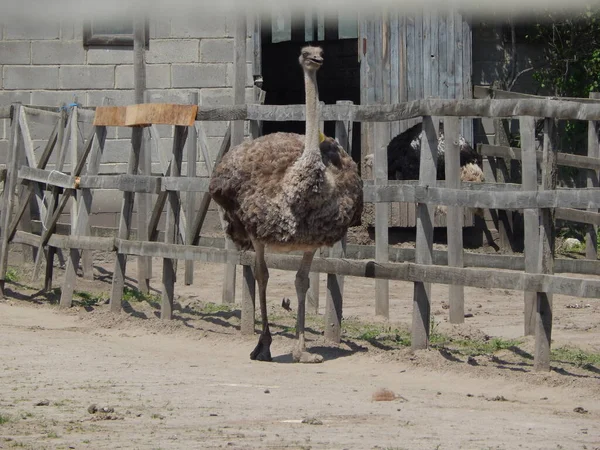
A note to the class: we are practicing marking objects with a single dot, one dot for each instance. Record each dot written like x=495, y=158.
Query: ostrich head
x=311, y=58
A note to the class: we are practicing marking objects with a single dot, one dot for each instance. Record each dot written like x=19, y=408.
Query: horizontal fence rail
x=575, y=198
x=557, y=109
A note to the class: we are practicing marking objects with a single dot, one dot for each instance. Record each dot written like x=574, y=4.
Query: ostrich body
x=287, y=192
x=404, y=159
x=404, y=154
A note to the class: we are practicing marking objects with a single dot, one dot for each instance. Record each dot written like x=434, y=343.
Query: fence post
x=83, y=214
x=530, y=216
x=237, y=131
x=144, y=209
x=424, y=238
x=455, y=218
x=543, y=304
x=382, y=217
x=9, y=191
x=335, y=283
x=172, y=226
x=591, y=238
x=190, y=197
x=118, y=282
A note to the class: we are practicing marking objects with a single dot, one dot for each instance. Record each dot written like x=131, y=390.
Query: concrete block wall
x=47, y=64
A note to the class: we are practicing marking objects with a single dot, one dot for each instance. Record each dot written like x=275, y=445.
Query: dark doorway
x=283, y=81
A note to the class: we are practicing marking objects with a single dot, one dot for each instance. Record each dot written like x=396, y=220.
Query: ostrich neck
x=311, y=144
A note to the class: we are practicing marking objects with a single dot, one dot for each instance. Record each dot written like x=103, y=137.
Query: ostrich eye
x=305, y=54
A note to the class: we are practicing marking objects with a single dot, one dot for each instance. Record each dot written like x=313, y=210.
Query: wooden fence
x=36, y=181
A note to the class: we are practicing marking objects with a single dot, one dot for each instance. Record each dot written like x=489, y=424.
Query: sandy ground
x=189, y=383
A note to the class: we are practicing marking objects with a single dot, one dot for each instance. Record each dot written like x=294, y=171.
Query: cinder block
x=57, y=52
x=199, y=25
x=221, y=50
x=160, y=28
x=110, y=55
x=31, y=77
x=172, y=51
x=249, y=77
x=67, y=31
x=86, y=77
x=199, y=75
x=170, y=95
x=56, y=98
x=15, y=52
x=31, y=29
x=157, y=76
x=119, y=98
x=214, y=129
x=116, y=151
x=8, y=97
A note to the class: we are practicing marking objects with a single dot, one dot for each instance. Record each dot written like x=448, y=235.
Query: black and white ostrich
x=404, y=157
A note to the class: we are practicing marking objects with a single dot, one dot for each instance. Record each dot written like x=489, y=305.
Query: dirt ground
x=189, y=383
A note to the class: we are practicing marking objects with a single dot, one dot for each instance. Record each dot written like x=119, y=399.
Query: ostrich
x=286, y=192
x=404, y=154
x=404, y=158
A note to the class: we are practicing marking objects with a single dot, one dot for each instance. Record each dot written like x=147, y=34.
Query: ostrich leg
x=299, y=354
x=262, y=352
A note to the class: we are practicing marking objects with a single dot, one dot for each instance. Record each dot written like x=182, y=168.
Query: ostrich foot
x=262, y=351
x=300, y=355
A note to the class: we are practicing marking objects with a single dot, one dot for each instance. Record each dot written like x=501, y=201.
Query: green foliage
x=570, y=67
x=133, y=295
x=87, y=299
x=211, y=308
x=12, y=275
x=4, y=419
x=576, y=356
x=571, y=50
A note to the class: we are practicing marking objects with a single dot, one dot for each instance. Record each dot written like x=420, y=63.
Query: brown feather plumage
x=260, y=195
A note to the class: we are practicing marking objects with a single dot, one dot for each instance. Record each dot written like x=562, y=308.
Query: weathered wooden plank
x=51, y=215
x=184, y=184
x=380, y=174
x=171, y=227
x=146, y=114
x=48, y=177
x=487, y=92
x=82, y=225
x=237, y=134
x=425, y=273
x=31, y=159
x=23, y=201
x=190, y=197
x=9, y=189
x=577, y=215
x=335, y=283
x=424, y=238
x=165, y=163
x=545, y=258
x=205, y=201
x=454, y=217
x=143, y=201
x=105, y=244
x=530, y=216
x=563, y=159
x=593, y=176
x=560, y=198
x=125, y=218
x=409, y=110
